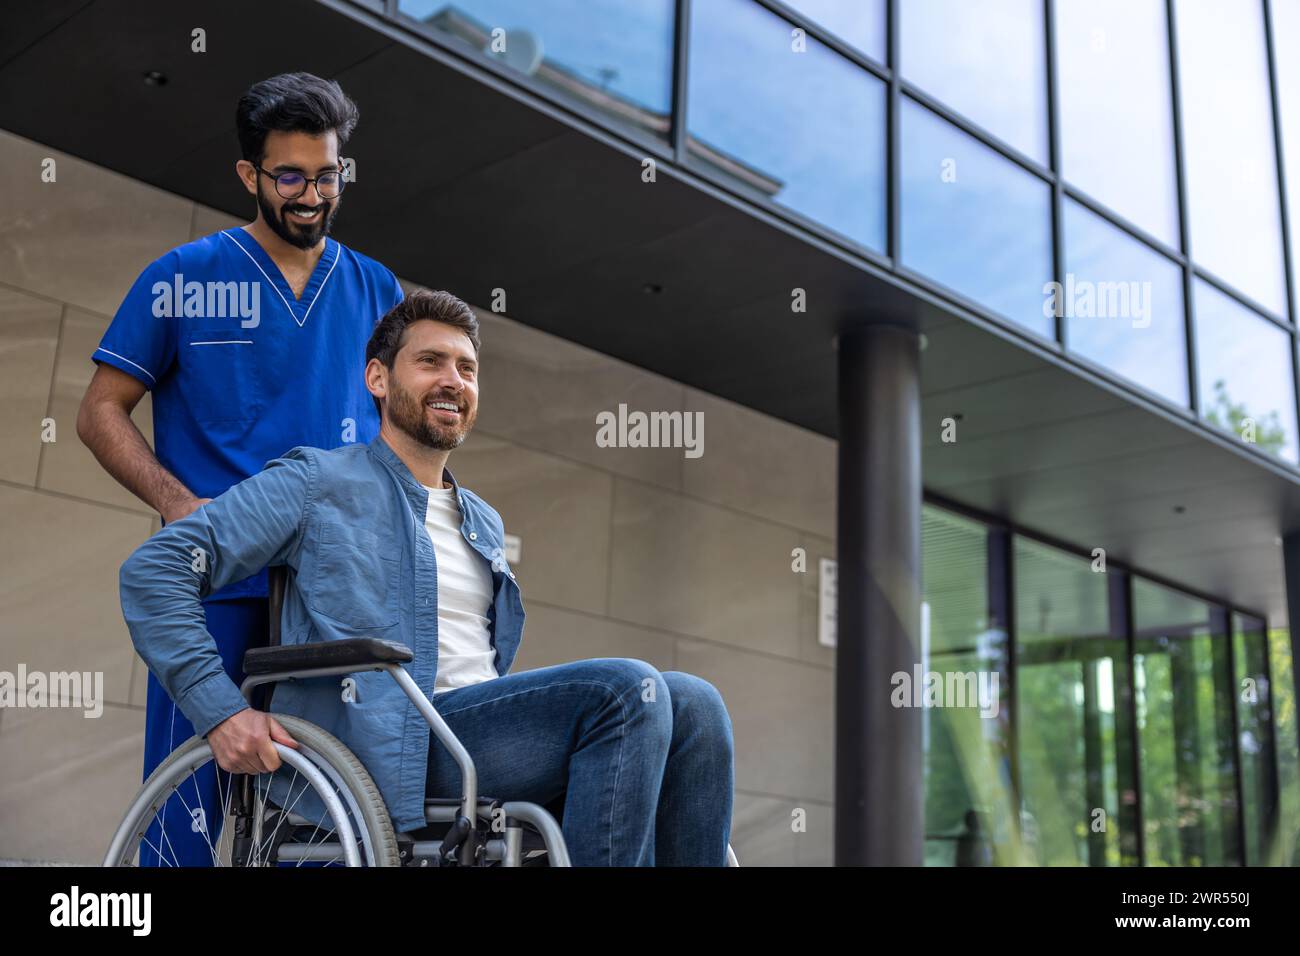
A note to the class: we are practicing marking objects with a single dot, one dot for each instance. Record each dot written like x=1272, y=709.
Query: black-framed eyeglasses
x=291, y=185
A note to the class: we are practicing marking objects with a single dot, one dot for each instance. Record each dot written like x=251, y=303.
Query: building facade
x=992, y=302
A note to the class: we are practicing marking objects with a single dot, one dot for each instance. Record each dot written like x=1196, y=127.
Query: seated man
x=382, y=542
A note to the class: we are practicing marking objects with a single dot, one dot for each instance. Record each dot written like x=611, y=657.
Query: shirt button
x=512, y=574
x=473, y=535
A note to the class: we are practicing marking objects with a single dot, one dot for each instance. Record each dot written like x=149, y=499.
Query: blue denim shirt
x=349, y=524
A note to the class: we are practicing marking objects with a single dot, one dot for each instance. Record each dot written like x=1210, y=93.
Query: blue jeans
x=643, y=760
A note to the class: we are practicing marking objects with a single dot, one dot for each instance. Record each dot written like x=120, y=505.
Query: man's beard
x=297, y=234
x=411, y=415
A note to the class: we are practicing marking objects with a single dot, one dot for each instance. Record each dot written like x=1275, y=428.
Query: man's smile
x=307, y=215
x=449, y=409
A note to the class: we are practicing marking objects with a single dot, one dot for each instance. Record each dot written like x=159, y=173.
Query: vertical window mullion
x=1054, y=159
x=893, y=175
x=1002, y=605
x=1184, y=228
x=1120, y=609
x=681, y=65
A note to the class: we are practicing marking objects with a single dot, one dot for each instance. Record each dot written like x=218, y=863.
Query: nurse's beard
x=303, y=237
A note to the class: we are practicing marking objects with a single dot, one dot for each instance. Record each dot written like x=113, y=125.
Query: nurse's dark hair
x=292, y=103
x=390, y=331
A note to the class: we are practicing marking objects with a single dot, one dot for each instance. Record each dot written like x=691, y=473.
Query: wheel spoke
x=162, y=828
x=226, y=842
x=155, y=849
x=283, y=818
x=311, y=843
x=190, y=814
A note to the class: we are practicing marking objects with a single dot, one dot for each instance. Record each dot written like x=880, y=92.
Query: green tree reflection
x=1232, y=417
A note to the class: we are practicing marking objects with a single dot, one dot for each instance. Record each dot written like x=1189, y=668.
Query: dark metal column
x=1128, y=750
x=879, y=800
x=1227, y=746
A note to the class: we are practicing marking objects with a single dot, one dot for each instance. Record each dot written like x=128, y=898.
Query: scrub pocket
x=220, y=379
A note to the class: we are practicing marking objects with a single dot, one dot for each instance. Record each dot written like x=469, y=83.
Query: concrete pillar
x=879, y=798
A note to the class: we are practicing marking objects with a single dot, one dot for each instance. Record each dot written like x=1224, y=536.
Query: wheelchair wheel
x=354, y=830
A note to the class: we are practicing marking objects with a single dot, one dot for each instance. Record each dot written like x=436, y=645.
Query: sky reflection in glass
x=1124, y=304
x=805, y=129
x=974, y=221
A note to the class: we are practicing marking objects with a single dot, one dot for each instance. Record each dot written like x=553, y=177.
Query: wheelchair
x=257, y=830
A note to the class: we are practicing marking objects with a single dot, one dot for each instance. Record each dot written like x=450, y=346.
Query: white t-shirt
x=465, y=652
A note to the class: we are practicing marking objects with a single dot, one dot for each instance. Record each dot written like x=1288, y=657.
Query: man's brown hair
x=390, y=331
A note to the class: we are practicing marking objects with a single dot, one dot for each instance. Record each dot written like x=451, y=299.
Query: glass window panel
x=1188, y=767
x=1284, y=848
x=615, y=56
x=1245, y=374
x=969, y=817
x=1234, y=211
x=803, y=129
x=1075, y=736
x=1255, y=733
x=973, y=220
x=859, y=22
x=1117, y=126
x=986, y=60
x=1123, y=304
x=1286, y=44
x=954, y=557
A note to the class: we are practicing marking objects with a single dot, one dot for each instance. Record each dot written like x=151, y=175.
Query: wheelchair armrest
x=359, y=652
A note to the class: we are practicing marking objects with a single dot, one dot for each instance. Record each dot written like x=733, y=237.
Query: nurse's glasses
x=291, y=185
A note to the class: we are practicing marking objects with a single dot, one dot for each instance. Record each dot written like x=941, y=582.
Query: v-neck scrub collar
x=300, y=309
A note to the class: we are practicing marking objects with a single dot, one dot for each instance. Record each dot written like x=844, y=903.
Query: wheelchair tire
x=322, y=749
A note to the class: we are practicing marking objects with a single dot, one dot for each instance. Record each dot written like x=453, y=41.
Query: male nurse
x=252, y=341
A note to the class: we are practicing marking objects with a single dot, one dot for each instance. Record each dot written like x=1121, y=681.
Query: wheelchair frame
x=463, y=837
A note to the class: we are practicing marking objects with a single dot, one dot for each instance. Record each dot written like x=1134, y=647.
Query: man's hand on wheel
x=245, y=742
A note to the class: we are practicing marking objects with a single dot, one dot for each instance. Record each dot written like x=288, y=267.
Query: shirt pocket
x=355, y=582
x=222, y=380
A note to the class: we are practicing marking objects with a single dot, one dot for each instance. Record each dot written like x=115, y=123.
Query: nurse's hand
x=180, y=509
x=243, y=743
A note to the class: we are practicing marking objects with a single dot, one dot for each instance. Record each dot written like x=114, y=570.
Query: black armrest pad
x=358, y=652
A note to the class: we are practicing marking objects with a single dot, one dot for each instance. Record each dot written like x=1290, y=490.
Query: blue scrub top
x=240, y=370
